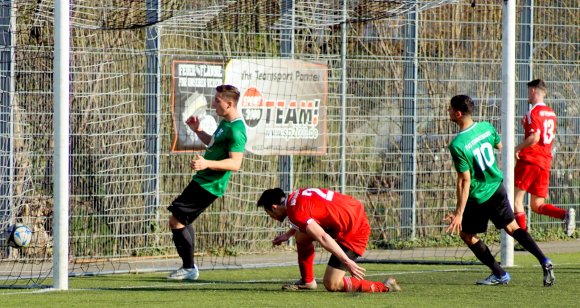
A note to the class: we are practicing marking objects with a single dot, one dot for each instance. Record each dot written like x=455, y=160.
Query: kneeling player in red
x=339, y=223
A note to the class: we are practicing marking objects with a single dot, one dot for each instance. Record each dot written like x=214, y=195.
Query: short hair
x=538, y=84
x=462, y=103
x=270, y=197
x=229, y=92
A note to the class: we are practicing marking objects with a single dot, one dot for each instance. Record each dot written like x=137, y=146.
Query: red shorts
x=532, y=178
x=357, y=241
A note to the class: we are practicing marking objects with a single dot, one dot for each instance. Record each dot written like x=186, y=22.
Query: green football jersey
x=473, y=149
x=228, y=137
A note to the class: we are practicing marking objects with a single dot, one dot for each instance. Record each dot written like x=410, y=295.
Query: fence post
x=525, y=66
x=408, y=139
x=287, y=51
x=6, y=112
x=152, y=114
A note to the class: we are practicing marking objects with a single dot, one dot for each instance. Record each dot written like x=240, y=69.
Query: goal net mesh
x=386, y=137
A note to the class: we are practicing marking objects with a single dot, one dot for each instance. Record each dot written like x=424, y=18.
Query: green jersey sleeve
x=239, y=138
x=460, y=162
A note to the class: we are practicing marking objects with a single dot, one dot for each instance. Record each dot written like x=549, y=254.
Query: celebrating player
x=480, y=194
x=534, y=159
x=339, y=223
x=223, y=155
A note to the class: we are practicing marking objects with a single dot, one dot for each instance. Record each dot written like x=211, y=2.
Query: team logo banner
x=194, y=85
x=283, y=104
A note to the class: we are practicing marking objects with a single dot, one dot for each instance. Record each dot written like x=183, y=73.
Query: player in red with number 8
x=339, y=223
x=534, y=160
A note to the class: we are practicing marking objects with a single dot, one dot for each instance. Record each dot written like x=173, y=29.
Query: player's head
x=226, y=99
x=228, y=92
x=273, y=202
x=536, y=90
x=460, y=106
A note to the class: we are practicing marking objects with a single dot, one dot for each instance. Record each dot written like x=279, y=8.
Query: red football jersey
x=341, y=216
x=540, y=118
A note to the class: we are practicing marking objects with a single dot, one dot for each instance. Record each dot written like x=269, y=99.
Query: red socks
x=352, y=284
x=544, y=209
x=306, y=261
x=521, y=220
x=552, y=211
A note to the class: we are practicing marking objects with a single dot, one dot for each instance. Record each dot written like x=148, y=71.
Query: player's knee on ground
x=333, y=285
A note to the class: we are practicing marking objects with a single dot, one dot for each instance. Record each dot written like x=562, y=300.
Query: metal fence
x=391, y=73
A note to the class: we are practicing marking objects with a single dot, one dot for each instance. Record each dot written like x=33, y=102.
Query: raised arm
x=194, y=123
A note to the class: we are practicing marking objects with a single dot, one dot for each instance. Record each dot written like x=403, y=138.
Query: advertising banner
x=194, y=85
x=283, y=104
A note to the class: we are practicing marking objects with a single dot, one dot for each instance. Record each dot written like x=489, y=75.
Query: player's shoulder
x=293, y=197
x=237, y=128
x=238, y=123
x=485, y=126
x=542, y=110
x=456, y=144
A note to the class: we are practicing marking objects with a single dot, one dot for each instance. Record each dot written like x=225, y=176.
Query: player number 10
x=484, y=155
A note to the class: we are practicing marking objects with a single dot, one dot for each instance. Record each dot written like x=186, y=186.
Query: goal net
x=378, y=75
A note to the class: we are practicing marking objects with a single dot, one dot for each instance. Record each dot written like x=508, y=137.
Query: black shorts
x=497, y=209
x=191, y=203
x=334, y=262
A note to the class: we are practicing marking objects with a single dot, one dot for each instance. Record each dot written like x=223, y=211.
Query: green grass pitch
x=423, y=286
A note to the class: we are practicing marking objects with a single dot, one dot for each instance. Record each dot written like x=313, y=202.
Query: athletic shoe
x=570, y=221
x=493, y=280
x=185, y=274
x=392, y=284
x=300, y=285
x=549, y=277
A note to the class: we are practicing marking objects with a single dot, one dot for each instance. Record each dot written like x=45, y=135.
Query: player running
x=339, y=223
x=534, y=160
x=480, y=194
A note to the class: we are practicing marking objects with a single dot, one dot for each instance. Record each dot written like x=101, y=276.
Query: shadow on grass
x=162, y=284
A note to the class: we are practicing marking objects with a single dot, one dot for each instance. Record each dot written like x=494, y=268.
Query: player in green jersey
x=224, y=153
x=481, y=196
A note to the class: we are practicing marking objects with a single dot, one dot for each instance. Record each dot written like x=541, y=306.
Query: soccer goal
x=347, y=95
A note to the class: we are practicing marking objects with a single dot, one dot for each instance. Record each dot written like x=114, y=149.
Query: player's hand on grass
x=198, y=163
x=454, y=221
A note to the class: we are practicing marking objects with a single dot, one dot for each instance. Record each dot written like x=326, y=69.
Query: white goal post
x=61, y=142
x=508, y=114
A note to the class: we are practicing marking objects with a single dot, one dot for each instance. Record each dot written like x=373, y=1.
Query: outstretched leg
x=483, y=254
x=524, y=238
